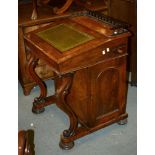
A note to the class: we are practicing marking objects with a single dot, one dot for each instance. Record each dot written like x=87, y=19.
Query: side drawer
x=100, y=54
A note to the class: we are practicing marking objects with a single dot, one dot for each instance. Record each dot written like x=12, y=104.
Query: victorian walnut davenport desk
x=87, y=54
x=45, y=16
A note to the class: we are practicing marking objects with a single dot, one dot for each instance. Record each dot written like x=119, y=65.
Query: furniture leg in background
x=26, y=142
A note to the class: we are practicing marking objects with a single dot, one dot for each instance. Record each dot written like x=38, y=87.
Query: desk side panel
x=79, y=96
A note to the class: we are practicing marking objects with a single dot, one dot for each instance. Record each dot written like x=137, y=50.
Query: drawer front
x=100, y=54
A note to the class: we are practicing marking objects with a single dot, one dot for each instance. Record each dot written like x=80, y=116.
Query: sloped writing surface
x=64, y=37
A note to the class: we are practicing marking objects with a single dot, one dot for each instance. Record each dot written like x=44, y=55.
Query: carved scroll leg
x=34, y=12
x=64, y=83
x=43, y=91
x=63, y=8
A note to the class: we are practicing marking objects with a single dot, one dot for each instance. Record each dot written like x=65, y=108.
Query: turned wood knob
x=119, y=50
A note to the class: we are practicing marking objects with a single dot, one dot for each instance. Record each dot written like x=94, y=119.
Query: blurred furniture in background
x=126, y=10
x=66, y=4
x=26, y=142
x=26, y=24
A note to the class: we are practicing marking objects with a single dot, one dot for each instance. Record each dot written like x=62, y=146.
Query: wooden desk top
x=97, y=36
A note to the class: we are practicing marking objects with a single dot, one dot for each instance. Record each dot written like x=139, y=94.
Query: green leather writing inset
x=64, y=37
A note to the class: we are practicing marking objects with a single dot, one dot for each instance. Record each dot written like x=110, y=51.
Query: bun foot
x=38, y=111
x=123, y=122
x=66, y=146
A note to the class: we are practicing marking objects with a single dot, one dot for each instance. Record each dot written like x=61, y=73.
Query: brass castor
x=66, y=146
x=38, y=111
x=123, y=122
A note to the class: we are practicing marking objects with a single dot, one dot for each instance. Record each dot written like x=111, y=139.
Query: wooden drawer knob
x=119, y=50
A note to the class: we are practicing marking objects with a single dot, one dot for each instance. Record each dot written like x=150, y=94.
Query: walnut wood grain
x=90, y=79
x=63, y=85
x=26, y=24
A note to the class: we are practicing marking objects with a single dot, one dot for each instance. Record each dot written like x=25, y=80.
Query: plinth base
x=123, y=122
x=66, y=146
x=38, y=111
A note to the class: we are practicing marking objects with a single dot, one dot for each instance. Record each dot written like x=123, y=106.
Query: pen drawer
x=97, y=55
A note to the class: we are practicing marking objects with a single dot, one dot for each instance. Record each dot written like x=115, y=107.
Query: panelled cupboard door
x=108, y=90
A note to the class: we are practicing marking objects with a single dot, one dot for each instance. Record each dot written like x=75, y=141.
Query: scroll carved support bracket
x=43, y=91
x=63, y=86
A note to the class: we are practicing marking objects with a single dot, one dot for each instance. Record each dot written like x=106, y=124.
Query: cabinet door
x=108, y=90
